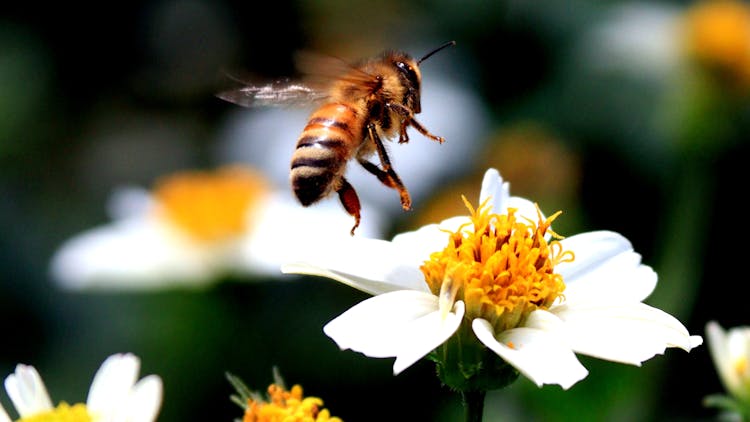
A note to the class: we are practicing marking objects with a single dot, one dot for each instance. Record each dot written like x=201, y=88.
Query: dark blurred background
x=577, y=115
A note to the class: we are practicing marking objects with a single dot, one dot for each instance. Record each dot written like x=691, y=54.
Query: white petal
x=738, y=344
x=284, y=231
x=620, y=332
x=405, y=324
x=425, y=334
x=145, y=400
x=371, y=265
x=524, y=208
x=494, y=188
x=718, y=347
x=537, y=354
x=544, y=320
x=112, y=384
x=4, y=415
x=605, y=269
x=498, y=191
x=451, y=225
x=594, y=248
x=27, y=391
x=133, y=253
x=421, y=243
x=368, y=327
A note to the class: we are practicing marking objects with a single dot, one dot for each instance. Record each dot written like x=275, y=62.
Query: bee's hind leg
x=350, y=201
x=391, y=180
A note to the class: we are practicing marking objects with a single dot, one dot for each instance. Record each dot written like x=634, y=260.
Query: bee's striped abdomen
x=326, y=144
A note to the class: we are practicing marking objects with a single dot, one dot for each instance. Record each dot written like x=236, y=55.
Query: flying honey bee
x=359, y=105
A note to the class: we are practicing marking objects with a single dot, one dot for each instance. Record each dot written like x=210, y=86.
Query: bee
x=358, y=106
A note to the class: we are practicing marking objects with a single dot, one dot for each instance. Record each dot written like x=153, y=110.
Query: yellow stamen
x=210, y=206
x=287, y=406
x=502, y=268
x=717, y=33
x=62, y=413
x=447, y=296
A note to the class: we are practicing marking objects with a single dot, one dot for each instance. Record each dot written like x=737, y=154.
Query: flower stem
x=473, y=401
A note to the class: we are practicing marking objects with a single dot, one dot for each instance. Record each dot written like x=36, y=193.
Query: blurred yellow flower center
x=211, y=206
x=287, y=406
x=502, y=268
x=740, y=366
x=718, y=34
x=62, y=413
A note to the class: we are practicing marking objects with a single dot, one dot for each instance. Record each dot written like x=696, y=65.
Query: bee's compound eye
x=409, y=72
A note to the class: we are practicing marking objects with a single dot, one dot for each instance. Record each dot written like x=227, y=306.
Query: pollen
x=211, y=206
x=500, y=265
x=287, y=406
x=62, y=413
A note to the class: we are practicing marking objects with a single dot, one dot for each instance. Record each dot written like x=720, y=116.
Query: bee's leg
x=423, y=130
x=410, y=120
x=390, y=179
x=386, y=175
x=403, y=137
x=350, y=201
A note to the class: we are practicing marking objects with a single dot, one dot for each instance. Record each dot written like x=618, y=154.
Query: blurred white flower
x=265, y=138
x=639, y=38
x=659, y=42
x=115, y=395
x=197, y=226
x=661, y=79
x=730, y=351
x=533, y=301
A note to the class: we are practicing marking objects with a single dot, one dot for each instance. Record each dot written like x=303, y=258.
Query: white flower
x=116, y=394
x=196, y=226
x=730, y=351
x=513, y=303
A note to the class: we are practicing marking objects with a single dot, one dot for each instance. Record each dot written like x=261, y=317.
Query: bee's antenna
x=426, y=56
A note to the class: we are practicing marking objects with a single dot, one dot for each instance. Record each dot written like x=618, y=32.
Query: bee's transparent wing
x=280, y=94
x=319, y=74
x=324, y=70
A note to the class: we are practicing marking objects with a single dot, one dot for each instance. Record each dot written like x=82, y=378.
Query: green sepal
x=464, y=364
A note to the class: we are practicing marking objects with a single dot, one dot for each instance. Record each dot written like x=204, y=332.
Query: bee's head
x=410, y=75
x=410, y=78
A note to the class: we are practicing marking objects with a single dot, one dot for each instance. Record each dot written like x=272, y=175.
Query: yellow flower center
x=718, y=34
x=287, y=406
x=62, y=413
x=211, y=206
x=502, y=268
